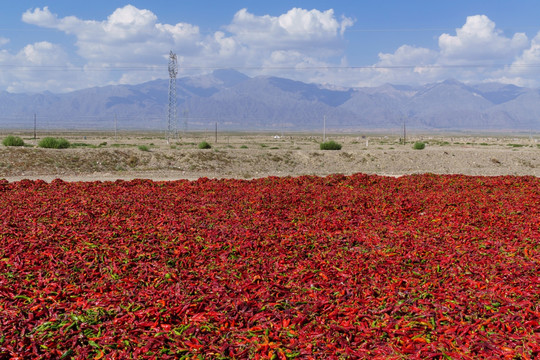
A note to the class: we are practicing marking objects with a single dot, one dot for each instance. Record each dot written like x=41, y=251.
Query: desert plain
x=102, y=156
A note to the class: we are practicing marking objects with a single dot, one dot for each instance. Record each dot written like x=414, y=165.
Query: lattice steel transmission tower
x=171, y=120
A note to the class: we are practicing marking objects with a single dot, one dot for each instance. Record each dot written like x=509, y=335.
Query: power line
x=192, y=68
x=85, y=68
x=349, y=29
x=400, y=30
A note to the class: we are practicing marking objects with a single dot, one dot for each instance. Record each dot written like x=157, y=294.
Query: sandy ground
x=246, y=156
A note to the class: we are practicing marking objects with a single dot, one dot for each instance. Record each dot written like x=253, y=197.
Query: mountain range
x=236, y=101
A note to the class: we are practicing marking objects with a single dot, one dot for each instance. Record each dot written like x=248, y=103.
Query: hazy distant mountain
x=236, y=101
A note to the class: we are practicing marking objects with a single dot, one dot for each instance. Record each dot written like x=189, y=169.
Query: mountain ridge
x=239, y=102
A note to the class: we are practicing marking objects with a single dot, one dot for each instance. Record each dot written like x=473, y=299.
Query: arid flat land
x=103, y=156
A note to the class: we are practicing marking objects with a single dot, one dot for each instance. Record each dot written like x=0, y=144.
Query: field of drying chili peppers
x=421, y=266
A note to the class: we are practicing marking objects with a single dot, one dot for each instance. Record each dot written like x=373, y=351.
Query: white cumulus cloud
x=37, y=66
x=131, y=45
x=307, y=30
x=131, y=37
x=128, y=35
x=477, y=52
x=287, y=44
x=42, y=53
x=42, y=17
x=479, y=40
x=407, y=55
x=525, y=69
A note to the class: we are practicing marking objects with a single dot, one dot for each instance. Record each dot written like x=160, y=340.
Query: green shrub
x=204, y=145
x=13, y=141
x=243, y=147
x=143, y=148
x=48, y=143
x=53, y=143
x=330, y=145
x=63, y=143
x=419, y=145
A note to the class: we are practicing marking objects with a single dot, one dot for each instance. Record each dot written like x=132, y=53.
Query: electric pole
x=324, y=129
x=404, y=133
x=186, y=114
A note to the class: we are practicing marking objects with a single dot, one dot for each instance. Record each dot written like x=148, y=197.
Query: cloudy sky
x=63, y=45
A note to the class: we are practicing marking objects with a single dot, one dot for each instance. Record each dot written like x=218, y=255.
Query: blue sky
x=65, y=45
